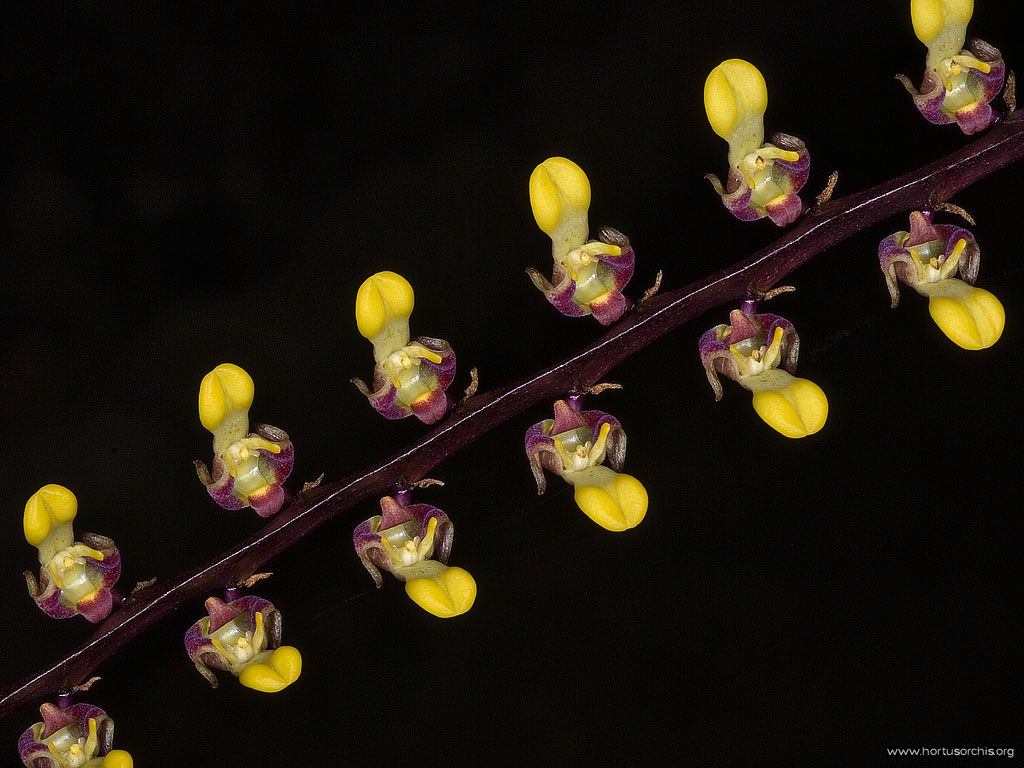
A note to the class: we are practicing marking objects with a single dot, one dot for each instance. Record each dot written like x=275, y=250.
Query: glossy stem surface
x=816, y=233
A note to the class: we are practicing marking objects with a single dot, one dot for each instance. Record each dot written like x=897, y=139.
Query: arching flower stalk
x=588, y=275
x=961, y=76
x=764, y=177
x=249, y=469
x=243, y=637
x=75, y=577
x=410, y=377
x=749, y=350
x=574, y=445
x=941, y=262
x=412, y=542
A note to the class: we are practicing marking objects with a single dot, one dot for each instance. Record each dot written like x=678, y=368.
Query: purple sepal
x=366, y=536
x=789, y=177
x=931, y=98
x=275, y=468
x=899, y=265
x=614, y=273
x=102, y=574
x=200, y=648
x=757, y=330
x=429, y=407
x=32, y=748
x=540, y=440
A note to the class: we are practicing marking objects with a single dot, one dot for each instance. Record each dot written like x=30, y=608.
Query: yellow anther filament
x=602, y=440
x=418, y=350
x=954, y=257
x=426, y=546
x=93, y=741
x=259, y=637
x=971, y=63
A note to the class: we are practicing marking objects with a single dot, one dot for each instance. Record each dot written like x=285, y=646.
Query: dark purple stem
x=819, y=231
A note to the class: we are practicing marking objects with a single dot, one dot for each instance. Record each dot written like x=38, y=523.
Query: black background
x=184, y=187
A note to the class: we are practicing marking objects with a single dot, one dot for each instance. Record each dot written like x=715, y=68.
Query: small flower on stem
x=243, y=637
x=76, y=577
x=588, y=275
x=959, y=79
x=764, y=178
x=402, y=539
x=929, y=258
x=574, y=445
x=249, y=469
x=749, y=351
x=410, y=377
x=78, y=736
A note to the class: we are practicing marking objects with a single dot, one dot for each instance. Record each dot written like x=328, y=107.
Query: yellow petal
x=930, y=16
x=618, y=505
x=450, y=593
x=278, y=672
x=226, y=388
x=557, y=184
x=382, y=299
x=796, y=410
x=973, y=320
x=49, y=506
x=734, y=91
x=117, y=758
